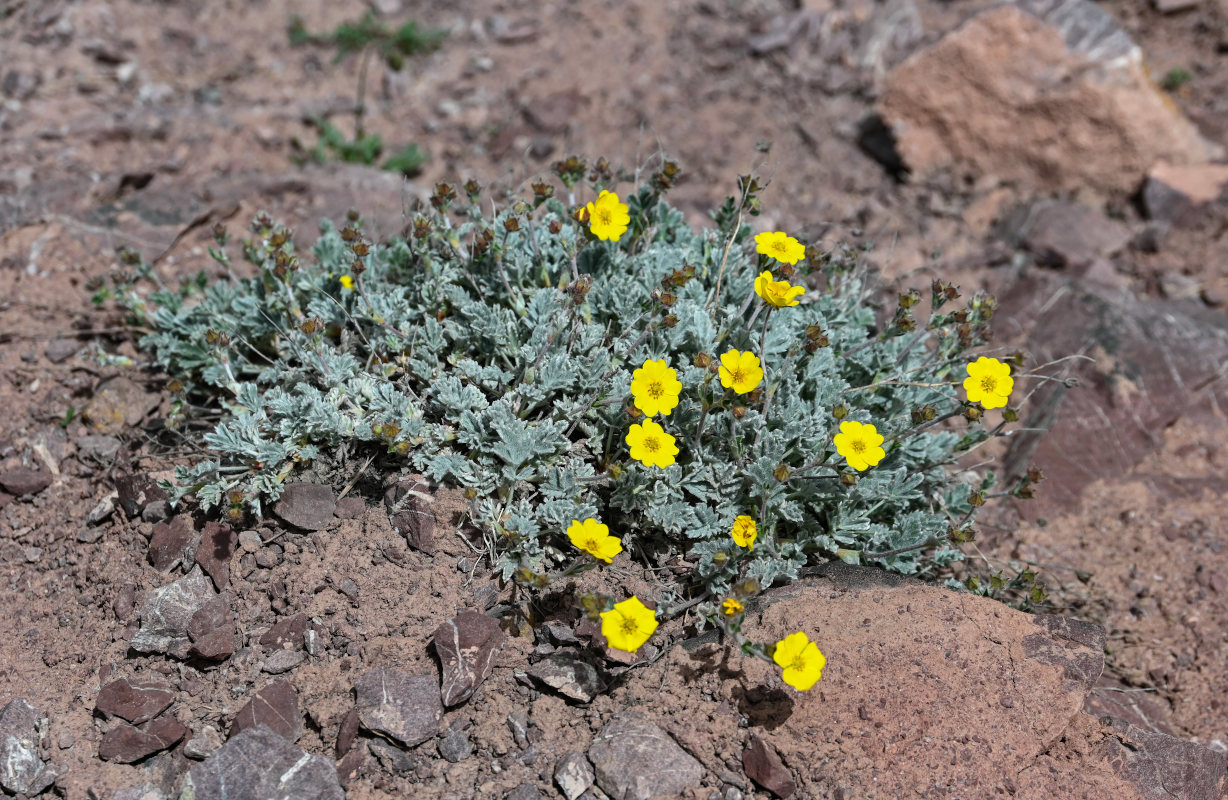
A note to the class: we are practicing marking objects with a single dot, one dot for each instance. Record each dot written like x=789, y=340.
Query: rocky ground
x=147, y=652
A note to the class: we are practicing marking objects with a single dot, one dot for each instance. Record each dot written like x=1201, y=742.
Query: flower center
x=738, y=375
x=799, y=663
x=780, y=246
x=655, y=390
x=629, y=626
x=988, y=384
x=651, y=444
x=590, y=544
x=604, y=215
x=858, y=446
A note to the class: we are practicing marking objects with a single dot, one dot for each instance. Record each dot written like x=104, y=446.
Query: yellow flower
x=655, y=388
x=607, y=217
x=731, y=607
x=778, y=293
x=745, y=531
x=346, y=282
x=740, y=371
x=651, y=445
x=802, y=660
x=989, y=382
x=861, y=445
x=594, y=538
x=628, y=625
x=780, y=246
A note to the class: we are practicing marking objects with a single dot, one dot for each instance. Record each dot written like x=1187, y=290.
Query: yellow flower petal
x=651, y=445
x=655, y=388
x=628, y=625
x=801, y=659
x=860, y=444
x=744, y=532
x=594, y=538
x=740, y=371
x=608, y=217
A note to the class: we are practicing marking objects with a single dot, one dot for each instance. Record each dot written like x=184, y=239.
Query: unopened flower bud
x=555, y=226
x=781, y=473
x=702, y=360
x=840, y=411
x=738, y=411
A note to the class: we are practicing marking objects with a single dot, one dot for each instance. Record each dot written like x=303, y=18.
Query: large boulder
x=1048, y=92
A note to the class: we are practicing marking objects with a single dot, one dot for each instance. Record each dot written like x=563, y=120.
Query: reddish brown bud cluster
x=443, y=196
x=664, y=179
x=570, y=170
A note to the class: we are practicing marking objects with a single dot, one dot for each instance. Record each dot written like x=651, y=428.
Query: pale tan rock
x=1047, y=92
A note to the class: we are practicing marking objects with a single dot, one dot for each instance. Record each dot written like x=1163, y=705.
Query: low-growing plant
x=367, y=37
x=603, y=379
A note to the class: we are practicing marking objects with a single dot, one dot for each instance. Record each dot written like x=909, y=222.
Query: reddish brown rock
x=169, y=541
x=25, y=481
x=1072, y=236
x=276, y=707
x=347, y=732
x=134, y=701
x=126, y=744
x=406, y=707
x=212, y=630
x=1051, y=93
x=633, y=758
x=1179, y=194
x=216, y=645
x=217, y=545
x=763, y=766
x=258, y=763
x=350, y=507
x=306, y=505
x=287, y=632
x=467, y=646
x=409, y=511
x=136, y=492
x=1149, y=363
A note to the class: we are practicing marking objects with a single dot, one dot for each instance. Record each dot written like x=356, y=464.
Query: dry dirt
x=141, y=124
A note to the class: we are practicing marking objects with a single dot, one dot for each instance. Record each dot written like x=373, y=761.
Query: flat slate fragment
x=126, y=744
x=467, y=645
x=134, y=701
x=257, y=764
x=309, y=506
x=569, y=677
x=276, y=708
x=406, y=707
x=636, y=760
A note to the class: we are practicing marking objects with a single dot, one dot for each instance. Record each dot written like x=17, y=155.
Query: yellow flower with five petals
x=628, y=625
x=802, y=660
x=780, y=246
x=655, y=388
x=594, y=538
x=989, y=382
x=608, y=217
x=651, y=445
x=740, y=371
x=860, y=444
